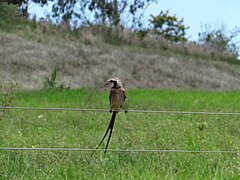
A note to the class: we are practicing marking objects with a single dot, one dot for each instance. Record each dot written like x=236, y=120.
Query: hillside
x=27, y=57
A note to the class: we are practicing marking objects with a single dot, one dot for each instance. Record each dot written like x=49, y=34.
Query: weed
x=51, y=83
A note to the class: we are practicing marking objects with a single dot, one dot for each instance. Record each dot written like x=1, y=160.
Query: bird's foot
x=125, y=110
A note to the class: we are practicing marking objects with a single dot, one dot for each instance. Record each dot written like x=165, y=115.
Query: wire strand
x=104, y=110
x=118, y=150
x=52, y=109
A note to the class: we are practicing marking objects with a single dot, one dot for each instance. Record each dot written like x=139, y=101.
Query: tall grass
x=131, y=131
x=30, y=50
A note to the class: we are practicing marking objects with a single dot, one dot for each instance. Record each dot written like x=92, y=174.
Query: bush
x=10, y=19
x=7, y=10
x=219, y=41
x=169, y=27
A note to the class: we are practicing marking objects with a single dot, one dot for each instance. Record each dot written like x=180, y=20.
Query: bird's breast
x=117, y=98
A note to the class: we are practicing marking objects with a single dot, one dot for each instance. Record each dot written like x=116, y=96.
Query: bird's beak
x=107, y=83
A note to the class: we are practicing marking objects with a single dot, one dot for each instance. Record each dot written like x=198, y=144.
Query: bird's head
x=115, y=81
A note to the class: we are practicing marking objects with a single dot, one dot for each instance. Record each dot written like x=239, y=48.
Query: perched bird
x=116, y=97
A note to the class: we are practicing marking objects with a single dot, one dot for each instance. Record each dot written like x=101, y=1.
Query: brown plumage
x=116, y=97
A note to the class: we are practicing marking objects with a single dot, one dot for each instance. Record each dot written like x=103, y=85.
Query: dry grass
x=27, y=63
x=121, y=36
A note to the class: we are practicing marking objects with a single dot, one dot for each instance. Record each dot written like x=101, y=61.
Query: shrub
x=219, y=41
x=7, y=10
x=169, y=27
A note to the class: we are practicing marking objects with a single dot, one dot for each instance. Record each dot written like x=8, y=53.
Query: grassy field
x=29, y=53
x=141, y=131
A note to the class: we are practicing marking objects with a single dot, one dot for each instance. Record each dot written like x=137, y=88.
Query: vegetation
x=111, y=12
x=220, y=41
x=41, y=55
x=166, y=32
x=106, y=13
x=51, y=82
x=169, y=27
x=31, y=50
x=70, y=129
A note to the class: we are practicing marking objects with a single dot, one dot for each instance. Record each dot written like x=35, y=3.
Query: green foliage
x=15, y=2
x=22, y=6
x=72, y=129
x=169, y=27
x=8, y=10
x=51, y=82
x=141, y=33
x=47, y=32
x=110, y=13
x=112, y=36
x=11, y=19
x=106, y=11
x=219, y=40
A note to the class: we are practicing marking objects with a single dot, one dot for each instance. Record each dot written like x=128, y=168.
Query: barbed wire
x=119, y=150
x=105, y=110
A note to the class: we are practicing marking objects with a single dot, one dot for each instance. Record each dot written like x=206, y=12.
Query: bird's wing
x=110, y=99
x=124, y=95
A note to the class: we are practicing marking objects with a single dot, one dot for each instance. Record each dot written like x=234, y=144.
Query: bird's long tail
x=114, y=113
x=110, y=126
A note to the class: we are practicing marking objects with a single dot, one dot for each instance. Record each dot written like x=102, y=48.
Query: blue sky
x=195, y=13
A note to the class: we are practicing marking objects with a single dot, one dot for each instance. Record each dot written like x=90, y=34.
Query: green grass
x=132, y=131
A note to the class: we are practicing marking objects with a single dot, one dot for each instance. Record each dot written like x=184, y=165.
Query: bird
x=116, y=98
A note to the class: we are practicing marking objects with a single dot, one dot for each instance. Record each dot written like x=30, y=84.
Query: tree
x=41, y=2
x=169, y=27
x=105, y=12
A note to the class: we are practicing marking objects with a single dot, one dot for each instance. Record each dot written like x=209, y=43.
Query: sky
x=196, y=13
x=216, y=13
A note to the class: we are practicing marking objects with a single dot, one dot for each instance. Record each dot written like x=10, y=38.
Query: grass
x=31, y=50
x=28, y=63
x=131, y=131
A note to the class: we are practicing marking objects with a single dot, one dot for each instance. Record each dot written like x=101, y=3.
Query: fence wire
x=105, y=110
x=120, y=150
